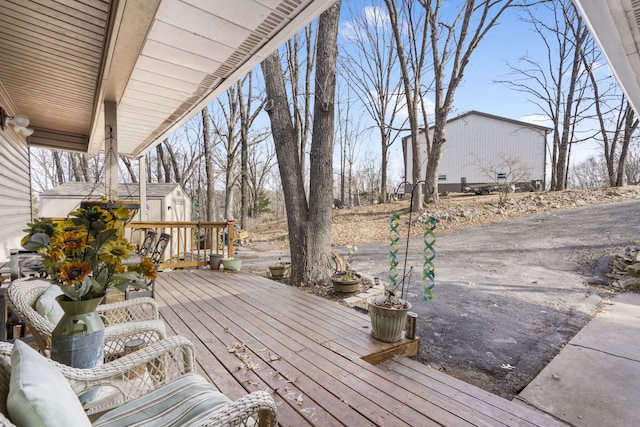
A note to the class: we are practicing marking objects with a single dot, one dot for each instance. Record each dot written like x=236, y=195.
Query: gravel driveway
x=509, y=295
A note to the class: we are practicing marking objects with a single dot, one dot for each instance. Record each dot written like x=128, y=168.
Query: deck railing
x=191, y=242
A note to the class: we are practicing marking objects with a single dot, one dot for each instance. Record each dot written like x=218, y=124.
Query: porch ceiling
x=160, y=61
x=614, y=24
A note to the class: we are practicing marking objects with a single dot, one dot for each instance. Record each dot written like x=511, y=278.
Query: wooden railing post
x=230, y=230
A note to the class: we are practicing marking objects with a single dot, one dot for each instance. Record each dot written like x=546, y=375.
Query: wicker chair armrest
x=258, y=406
x=121, y=379
x=115, y=340
x=144, y=308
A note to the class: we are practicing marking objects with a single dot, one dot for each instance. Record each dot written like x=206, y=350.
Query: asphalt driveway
x=510, y=295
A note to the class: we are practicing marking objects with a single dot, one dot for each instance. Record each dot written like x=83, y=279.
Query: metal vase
x=78, y=338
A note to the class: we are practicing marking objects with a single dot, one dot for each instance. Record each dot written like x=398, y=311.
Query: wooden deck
x=252, y=333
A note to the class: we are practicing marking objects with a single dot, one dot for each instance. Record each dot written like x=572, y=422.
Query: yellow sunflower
x=115, y=251
x=147, y=268
x=74, y=272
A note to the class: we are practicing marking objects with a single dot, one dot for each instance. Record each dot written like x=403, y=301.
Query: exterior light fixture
x=20, y=122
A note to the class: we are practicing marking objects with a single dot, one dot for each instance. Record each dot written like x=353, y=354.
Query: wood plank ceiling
x=160, y=61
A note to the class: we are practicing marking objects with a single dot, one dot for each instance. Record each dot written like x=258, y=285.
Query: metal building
x=483, y=149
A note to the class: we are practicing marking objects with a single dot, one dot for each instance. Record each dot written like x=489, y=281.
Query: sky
x=509, y=40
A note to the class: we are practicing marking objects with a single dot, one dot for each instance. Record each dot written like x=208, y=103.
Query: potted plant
x=280, y=270
x=214, y=261
x=231, y=264
x=85, y=255
x=388, y=313
x=347, y=281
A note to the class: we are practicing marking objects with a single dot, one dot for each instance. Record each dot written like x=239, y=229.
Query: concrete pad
x=616, y=330
x=586, y=387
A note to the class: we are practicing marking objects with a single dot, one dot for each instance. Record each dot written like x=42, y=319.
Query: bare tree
x=632, y=169
x=506, y=173
x=370, y=69
x=348, y=134
x=261, y=160
x=309, y=221
x=558, y=84
x=133, y=175
x=590, y=173
x=412, y=60
x=208, y=166
x=452, y=44
x=299, y=74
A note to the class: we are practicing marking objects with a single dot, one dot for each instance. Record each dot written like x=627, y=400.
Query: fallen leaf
x=299, y=400
x=508, y=367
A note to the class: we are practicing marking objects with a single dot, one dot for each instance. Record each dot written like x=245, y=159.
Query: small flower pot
x=280, y=271
x=214, y=261
x=231, y=264
x=346, y=286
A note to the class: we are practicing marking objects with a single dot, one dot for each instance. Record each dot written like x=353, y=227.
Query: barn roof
x=491, y=116
x=91, y=190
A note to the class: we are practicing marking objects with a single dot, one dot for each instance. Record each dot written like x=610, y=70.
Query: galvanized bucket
x=78, y=338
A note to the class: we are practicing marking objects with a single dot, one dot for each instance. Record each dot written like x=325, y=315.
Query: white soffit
x=194, y=50
x=614, y=25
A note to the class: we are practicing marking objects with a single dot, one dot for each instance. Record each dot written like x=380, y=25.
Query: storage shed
x=482, y=148
x=165, y=202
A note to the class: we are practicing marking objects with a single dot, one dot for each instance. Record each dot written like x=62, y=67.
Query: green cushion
x=39, y=395
x=48, y=307
x=180, y=402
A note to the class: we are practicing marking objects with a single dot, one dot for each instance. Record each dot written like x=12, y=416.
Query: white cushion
x=39, y=395
x=48, y=307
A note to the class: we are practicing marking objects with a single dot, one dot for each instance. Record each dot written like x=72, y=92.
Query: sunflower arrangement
x=87, y=254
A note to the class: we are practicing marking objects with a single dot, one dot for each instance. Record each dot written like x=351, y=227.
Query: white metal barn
x=165, y=202
x=482, y=148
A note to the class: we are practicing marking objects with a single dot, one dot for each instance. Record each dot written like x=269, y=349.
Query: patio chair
x=156, y=255
x=33, y=301
x=166, y=392
x=148, y=243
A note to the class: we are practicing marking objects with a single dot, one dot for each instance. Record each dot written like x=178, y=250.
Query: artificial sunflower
x=85, y=255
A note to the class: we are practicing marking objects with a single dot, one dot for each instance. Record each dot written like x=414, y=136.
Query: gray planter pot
x=214, y=261
x=387, y=324
x=346, y=286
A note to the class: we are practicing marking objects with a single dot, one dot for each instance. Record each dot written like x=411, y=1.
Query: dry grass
x=371, y=223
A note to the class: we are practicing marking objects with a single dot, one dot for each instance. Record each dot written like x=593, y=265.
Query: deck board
x=252, y=333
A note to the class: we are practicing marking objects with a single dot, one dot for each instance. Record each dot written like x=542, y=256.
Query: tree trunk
x=631, y=124
x=127, y=164
x=308, y=225
x=58, y=167
x=208, y=166
x=173, y=161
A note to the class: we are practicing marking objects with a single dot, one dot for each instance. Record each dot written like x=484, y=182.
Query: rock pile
x=625, y=269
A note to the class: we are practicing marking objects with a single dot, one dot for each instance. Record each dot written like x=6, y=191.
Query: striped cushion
x=177, y=403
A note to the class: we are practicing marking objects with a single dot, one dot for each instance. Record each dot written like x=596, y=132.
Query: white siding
x=477, y=142
x=15, y=197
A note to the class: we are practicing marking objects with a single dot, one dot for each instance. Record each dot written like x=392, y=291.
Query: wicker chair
x=166, y=392
x=123, y=321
